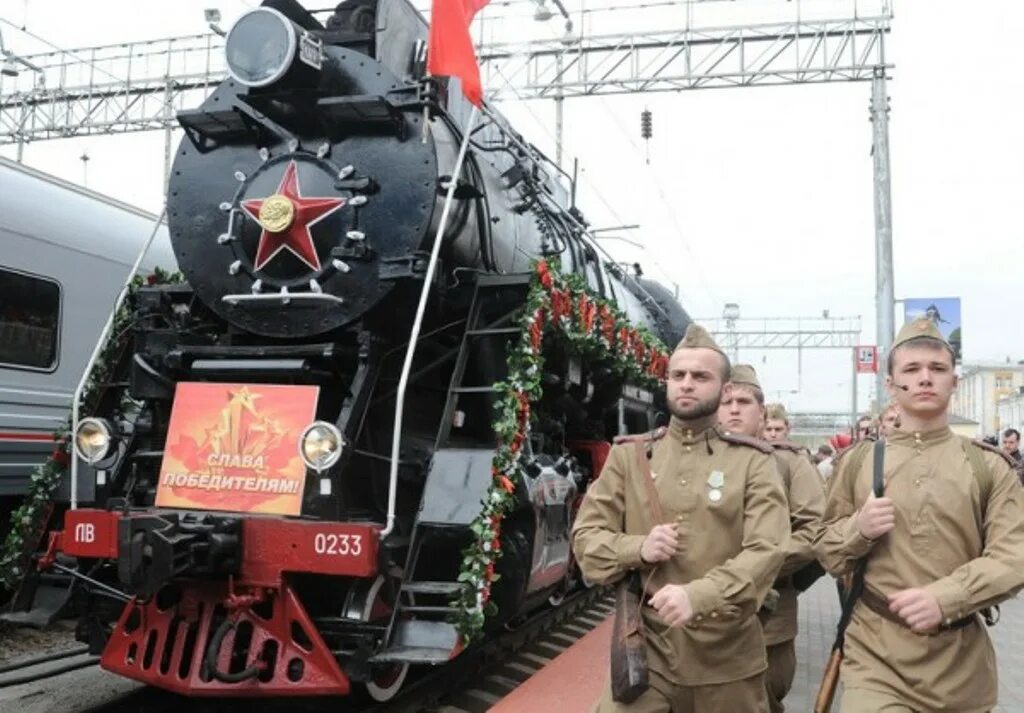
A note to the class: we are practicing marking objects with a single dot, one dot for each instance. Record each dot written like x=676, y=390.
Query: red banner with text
x=236, y=447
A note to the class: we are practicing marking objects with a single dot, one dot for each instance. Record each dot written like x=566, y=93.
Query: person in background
x=823, y=453
x=839, y=443
x=776, y=425
x=1011, y=447
x=888, y=421
x=863, y=430
x=742, y=412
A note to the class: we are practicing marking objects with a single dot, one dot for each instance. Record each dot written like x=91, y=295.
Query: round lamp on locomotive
x=93, y=440
x=264, y=47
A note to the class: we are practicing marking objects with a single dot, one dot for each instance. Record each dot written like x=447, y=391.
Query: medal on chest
x=716, y=481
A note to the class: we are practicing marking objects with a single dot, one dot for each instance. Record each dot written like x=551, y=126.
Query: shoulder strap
x=857, y=585
x=746, y=441
x=654, y=435
x=640, y=451
x=787, y=446
x=982, y=473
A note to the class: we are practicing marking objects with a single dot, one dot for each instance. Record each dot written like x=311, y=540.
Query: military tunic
x=730, y=547
x=968, y=554
x=806, y=496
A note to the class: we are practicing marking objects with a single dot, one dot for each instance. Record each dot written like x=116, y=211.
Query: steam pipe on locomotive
x=234, y=469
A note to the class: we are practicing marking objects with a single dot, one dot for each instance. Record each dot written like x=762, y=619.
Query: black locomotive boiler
x=234, y=476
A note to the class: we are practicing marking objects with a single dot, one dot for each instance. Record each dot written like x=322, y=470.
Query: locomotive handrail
x=100, y=343
x=283, y=298
x=428, y=279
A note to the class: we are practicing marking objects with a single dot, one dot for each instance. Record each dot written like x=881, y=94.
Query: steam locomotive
x=233, y=489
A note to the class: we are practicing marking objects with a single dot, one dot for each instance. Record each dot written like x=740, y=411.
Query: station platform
x=571, y=683
x=573, y=680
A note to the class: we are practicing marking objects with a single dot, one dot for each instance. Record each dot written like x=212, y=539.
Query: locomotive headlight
x=321, y=445
x=263, y=45
x=93, y=440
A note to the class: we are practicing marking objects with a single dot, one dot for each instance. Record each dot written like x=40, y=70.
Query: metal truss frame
x=138, y=86
x=803, y=333
x=797, y=52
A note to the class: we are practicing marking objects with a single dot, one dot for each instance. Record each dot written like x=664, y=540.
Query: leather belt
x=881, y=607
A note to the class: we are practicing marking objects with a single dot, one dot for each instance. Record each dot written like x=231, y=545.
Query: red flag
x=450, y=48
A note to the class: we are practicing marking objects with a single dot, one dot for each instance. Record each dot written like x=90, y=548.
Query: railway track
x=37, y=668
x=472, y=683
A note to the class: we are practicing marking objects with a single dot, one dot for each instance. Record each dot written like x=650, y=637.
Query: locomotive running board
x=421, y=642
x=46, y=597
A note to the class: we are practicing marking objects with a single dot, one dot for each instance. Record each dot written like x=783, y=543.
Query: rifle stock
x=829, y=682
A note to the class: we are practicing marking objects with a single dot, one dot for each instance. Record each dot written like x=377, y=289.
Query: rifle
x=829, y=681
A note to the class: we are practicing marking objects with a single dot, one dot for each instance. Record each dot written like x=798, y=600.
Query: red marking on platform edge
x=571, y=683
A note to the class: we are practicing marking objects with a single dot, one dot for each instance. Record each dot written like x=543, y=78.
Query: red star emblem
x=295, y=236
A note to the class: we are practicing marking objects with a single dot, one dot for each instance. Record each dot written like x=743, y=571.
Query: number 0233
x=341, y=545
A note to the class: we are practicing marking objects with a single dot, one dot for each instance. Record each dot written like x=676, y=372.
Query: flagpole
x=417, y=324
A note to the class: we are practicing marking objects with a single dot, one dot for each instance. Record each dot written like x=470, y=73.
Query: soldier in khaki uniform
x=888, y=420
x=743, y=411
x=707, y=570
x=945, y=541
x=776, y=425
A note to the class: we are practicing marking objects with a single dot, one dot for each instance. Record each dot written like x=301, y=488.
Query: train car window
x=29, y=321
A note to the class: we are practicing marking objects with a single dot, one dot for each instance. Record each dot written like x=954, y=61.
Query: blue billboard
x=943, y=311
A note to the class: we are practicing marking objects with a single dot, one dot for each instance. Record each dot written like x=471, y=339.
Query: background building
x=982, y=386
x=964, y=426
x=1011, y=411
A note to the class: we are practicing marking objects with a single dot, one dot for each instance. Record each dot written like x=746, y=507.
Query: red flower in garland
x=607, y=323
x=537, y=329
x=507, y=484
x=151, y=279
x=544, y=274
x=60, y=457
x=561, y=304
x=661, y=368
x=587, y=313
x=638, y=346
x=624, y=345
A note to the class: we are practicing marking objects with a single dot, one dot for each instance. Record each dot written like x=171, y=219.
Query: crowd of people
x=719, y=522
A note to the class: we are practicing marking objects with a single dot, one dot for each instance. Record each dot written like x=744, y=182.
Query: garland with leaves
x=30, y=518
x=562, y=306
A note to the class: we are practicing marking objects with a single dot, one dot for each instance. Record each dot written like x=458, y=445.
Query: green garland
x=28, y=520
x=562, y=305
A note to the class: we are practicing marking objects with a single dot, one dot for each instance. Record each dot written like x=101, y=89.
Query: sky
x=757, y=196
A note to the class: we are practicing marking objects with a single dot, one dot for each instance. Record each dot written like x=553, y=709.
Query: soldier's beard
x=697, y=411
